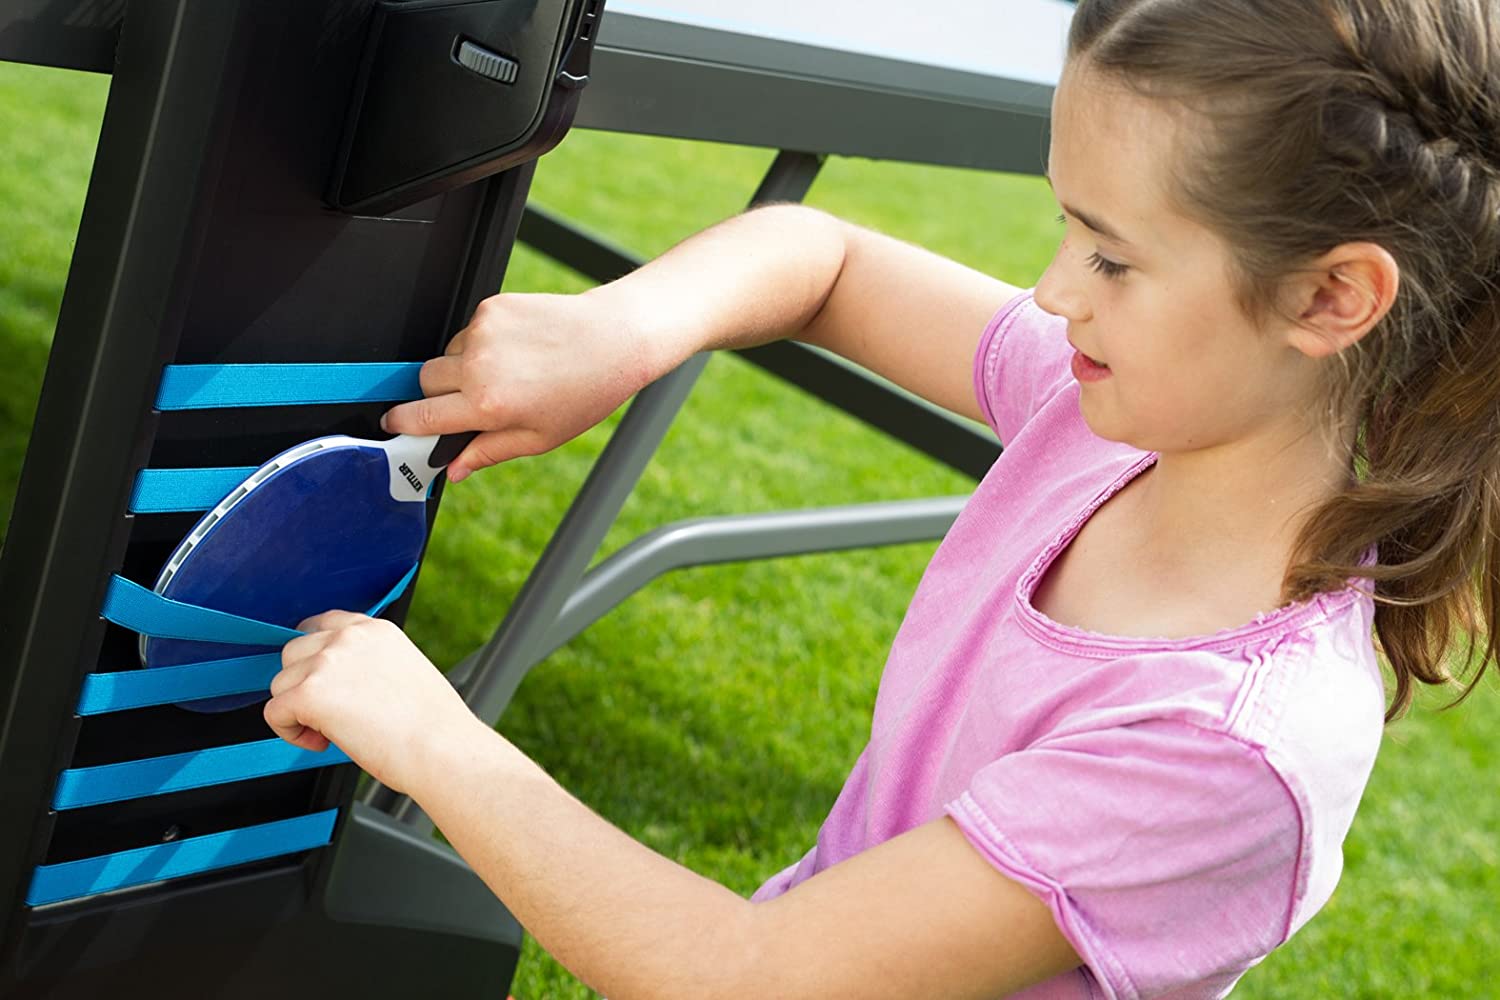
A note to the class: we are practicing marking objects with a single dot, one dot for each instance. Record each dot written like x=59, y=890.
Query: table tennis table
x=212, y=235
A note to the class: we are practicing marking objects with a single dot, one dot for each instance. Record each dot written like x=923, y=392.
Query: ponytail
x=1428, y=499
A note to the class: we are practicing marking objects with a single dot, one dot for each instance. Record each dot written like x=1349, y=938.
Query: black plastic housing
x=388, y=915
x=421, y=122
x=205, y=239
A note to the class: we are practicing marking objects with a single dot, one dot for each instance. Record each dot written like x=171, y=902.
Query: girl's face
x=1146, y=291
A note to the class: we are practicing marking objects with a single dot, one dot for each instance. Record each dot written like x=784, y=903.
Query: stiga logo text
x=411, y=477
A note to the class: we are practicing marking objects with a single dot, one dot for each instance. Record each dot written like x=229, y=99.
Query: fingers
x=281, y=715
x=438, y=377
x=297, y=655
x=492, y=448
x=288, y=677
x=329, y=620
x=302, y=649
x=446, y=414
x=441, y=376
x=299, y=658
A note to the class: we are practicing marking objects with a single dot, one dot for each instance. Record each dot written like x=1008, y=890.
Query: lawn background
x=715, y=714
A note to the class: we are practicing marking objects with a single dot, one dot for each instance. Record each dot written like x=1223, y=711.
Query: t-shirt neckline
x=1071, y=639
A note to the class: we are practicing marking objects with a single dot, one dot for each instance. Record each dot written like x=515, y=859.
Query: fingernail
x=383, y=425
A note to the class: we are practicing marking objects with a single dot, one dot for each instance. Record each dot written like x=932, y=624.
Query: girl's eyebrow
x=1097, y=225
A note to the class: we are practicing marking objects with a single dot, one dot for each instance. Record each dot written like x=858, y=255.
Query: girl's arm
x=535, y=370
x=789, y=271
x=920, y=915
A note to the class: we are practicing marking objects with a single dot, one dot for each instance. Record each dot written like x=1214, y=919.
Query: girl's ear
x=1342, y=296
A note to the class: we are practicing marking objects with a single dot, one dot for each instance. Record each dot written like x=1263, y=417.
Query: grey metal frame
x=740, y=538
x=840, y=77
x=183, y=182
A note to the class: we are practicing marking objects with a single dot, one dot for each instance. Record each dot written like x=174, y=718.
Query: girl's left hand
x=361, y=684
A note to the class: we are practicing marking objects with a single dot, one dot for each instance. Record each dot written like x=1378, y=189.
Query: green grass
x=714, y=715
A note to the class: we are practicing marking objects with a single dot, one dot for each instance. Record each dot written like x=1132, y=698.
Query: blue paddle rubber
x=322, y=530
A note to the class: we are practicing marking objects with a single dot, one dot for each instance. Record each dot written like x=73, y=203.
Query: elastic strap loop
x=136, y=779
x=208, y=387
x=120, y=690
x=128, y=604
x=171, y=491
x=133, y=606
x=189, y=856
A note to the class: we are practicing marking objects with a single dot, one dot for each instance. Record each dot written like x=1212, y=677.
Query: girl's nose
x=1058, y=291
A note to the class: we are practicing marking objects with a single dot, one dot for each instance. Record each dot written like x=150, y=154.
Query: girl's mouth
x=1086, y=369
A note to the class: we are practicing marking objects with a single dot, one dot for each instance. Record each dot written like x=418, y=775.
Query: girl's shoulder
x=1022, y=363
x=1318, y=715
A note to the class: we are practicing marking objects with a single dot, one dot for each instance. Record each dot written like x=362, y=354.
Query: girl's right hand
x=530, y=372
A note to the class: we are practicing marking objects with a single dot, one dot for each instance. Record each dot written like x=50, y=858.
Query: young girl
x=1250, y=414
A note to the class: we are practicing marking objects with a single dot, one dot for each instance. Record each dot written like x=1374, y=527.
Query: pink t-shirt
x=1180, y=804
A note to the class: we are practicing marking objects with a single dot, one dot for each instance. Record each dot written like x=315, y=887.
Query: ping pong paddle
x=335, y=522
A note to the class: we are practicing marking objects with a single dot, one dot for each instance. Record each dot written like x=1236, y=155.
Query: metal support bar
x=741, y=538
x=957, y=443
x=577, y=538
x=513, y=648
x=590, y=255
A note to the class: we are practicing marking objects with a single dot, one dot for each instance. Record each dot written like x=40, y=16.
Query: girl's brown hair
x=1321, y=122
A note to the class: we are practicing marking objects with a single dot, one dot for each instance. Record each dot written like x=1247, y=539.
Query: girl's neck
x=1241, y=504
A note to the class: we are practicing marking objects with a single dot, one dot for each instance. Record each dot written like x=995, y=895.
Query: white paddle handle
x=416, y=461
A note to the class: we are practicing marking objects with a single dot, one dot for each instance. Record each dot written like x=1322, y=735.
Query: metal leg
x=513, y=649
x=557, y=572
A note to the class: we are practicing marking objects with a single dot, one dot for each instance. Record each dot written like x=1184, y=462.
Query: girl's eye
x=1102, y=265
x=1108, y=268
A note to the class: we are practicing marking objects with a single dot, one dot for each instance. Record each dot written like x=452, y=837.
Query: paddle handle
x=448, y=448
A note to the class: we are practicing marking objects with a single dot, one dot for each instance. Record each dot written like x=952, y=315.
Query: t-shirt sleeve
x=1023, y=361
x=1167, y=853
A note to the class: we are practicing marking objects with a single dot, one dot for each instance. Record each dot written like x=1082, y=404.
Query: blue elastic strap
x=207, y=387
x=133, y=606
x=137, y=779
x=129, y=604
x=202, y=387
x=169, y=491
x=197, y=387
x=125, y=689
x=395, y=592
x=89, y=876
